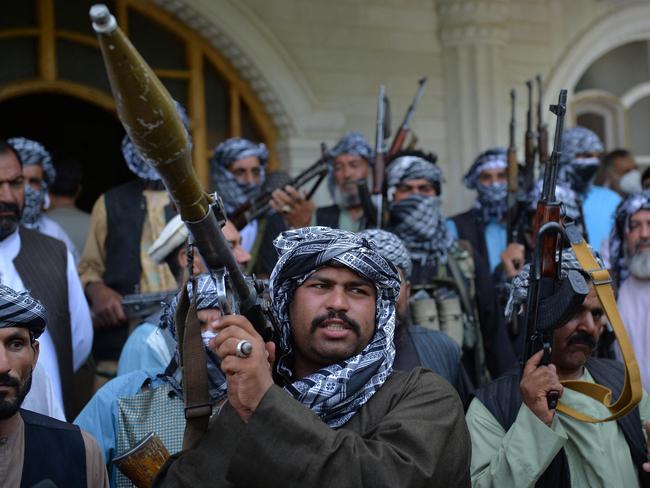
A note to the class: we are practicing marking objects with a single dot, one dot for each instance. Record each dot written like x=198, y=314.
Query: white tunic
x=80, y=321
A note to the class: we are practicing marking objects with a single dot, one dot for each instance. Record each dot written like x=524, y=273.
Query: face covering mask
x=630, y=182
x=583, y=172
x=33, y=205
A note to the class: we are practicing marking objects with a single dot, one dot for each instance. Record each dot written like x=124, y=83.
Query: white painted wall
x=317, y=64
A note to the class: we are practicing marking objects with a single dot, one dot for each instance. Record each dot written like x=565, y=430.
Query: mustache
x=7, y=380
x=349, y=323
x=641, y=243
x=10, y=207
x=581, y=337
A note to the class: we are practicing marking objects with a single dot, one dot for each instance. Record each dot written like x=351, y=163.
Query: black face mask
x=8, y=222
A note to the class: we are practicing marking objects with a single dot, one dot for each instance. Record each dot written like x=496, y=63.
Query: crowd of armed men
x=402, y=352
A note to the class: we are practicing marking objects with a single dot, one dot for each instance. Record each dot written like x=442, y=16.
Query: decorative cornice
x=229, y=49
x=473, y=21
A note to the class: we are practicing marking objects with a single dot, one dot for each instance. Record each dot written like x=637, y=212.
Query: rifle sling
x=632, y=390
x=194, y=369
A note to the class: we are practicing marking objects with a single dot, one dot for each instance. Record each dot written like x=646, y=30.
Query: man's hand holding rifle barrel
x=148, y=114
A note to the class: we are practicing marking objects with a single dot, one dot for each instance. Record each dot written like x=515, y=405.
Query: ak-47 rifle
x=552, y=300
x=260, y=205
x=542, y=129
x=404, y=129
x=149, y=117
x=138, y=306
x=529, y=161
x=381, y=135
x=513, y=176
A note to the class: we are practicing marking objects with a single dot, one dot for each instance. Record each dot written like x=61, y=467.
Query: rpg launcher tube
x=149, y=116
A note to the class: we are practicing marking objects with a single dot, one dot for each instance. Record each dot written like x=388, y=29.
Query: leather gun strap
x=194, y=369
x=632, y=389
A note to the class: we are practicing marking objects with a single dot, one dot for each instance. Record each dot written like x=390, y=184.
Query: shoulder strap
x=632, y=391
x=194, y=369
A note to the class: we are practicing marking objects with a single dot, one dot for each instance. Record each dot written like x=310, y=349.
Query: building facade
x=297, y=72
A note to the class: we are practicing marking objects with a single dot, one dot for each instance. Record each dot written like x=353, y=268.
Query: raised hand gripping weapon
x=404, y=129
x=261, y=206
x=552, y=299
x=149, y=117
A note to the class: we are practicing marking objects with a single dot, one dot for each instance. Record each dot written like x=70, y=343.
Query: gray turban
x=232, y=192
x=336, y=392
x=579, y=172
x=628, y=207
x=134, y=160
x=391, y=247
x=351, y=143
x=496, y=158
x=410, y=168
x=21, y=310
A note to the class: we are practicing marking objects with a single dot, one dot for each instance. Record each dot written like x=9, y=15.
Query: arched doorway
x=71, y=128
x=48, y=47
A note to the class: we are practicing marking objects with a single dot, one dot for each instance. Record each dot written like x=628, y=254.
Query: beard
x=348, y=196
x=639, y=262
x=9, y=407
x=9, y=222
x=402, y=322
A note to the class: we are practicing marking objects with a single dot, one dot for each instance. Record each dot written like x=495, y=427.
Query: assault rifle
x=552, y=300
x=513, y=176
x=529, y=161
x=138, y=306
x=261, y=206
x=404, y=129
x=542, y=129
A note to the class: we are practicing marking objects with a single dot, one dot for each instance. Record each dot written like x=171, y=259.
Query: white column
x=473, y=35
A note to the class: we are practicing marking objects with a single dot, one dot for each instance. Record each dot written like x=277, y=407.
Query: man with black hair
x=618, y=171
x=645, y=179
x=63, y=195
x=42, y=264
x=518, y=441
x=35, y=448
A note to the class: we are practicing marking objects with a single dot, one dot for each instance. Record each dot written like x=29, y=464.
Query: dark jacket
x=411, y=433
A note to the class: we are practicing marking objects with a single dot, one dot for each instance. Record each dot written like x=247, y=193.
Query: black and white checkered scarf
x=391, y=247
x=232, y=192
x=420, y=224
x=34, y=153
x=206, y=298
x=628, y=207
x=492, y=201
x=21, y=310
x=336, y=392
x=411, y=168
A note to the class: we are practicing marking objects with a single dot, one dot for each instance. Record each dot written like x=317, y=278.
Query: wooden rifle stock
x=404, y=129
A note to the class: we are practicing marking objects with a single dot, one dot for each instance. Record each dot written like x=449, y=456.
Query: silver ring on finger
x=286, y=209
x=244, y=349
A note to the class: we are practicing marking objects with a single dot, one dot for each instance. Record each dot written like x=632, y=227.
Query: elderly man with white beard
x=630, y=257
